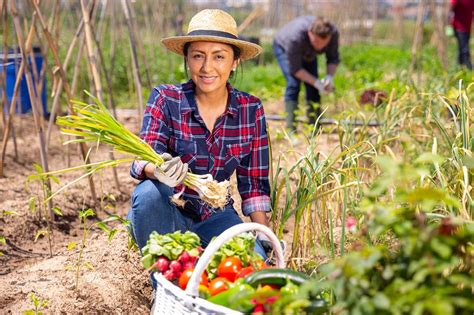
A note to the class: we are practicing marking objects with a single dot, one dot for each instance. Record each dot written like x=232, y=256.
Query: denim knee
x=152, y=211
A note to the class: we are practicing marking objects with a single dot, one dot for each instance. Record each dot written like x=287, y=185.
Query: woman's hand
x=172, y=172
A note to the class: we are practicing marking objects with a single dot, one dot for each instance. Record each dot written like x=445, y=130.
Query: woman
x=208, y=127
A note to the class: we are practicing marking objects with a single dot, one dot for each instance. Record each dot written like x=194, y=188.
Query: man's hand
x=328, y=83
x=319, y=85
x=172, y=172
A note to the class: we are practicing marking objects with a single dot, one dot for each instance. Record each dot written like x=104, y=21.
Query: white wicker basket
x=170, y=299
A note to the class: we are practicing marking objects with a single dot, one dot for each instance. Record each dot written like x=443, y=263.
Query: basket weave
x=171, y=300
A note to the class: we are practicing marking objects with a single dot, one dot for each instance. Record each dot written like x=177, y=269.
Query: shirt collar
x=190, y=104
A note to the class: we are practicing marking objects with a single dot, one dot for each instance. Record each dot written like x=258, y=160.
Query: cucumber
x=276, y=276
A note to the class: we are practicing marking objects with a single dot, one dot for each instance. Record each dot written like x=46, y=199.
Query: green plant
x=408, y=260
x=39, y=305
x=37, y=204
x=83, y=215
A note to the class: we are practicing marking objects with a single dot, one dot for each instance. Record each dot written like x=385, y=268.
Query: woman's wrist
x=259, y=217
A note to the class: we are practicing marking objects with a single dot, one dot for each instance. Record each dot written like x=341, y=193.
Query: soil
x=111, y=278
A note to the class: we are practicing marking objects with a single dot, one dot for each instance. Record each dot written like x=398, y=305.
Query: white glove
x=328, y=83
x=319, y=85
x=172, y=172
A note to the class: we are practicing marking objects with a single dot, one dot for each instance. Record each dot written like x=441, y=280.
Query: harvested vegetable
x=94, y=123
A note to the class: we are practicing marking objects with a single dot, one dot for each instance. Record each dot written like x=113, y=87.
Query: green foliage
x=170, y=245
x=39, y=304
x=407, y=262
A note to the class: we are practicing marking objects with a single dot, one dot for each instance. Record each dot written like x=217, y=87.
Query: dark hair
x=322, y=27
x=235, y=49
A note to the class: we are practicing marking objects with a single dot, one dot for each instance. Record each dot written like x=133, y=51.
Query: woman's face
x=210, y=65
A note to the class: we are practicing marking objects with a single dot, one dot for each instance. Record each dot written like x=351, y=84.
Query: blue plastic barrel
x=12, y=66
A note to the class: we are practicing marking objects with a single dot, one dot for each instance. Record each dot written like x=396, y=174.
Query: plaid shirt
x=238, y=142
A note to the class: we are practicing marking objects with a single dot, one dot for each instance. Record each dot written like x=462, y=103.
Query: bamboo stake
x=25, y=47
x=136, y=73
x=108, y=79
x=95, y=73
x=54, y=50
x=439, y=35
x=4, y=14
x=140, y=44
x=57, y=92
x=418, y=39
x=11, y=114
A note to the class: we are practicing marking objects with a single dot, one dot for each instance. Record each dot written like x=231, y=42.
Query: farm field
x=375, y=206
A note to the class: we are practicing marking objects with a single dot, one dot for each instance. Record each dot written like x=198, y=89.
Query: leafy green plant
x=408, y=259
x=83, y=215
x=37, y=204
x=39, y=305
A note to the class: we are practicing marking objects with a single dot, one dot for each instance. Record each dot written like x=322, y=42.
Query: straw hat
x=213, y=26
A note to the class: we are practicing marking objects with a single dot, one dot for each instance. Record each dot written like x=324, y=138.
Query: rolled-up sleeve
x=252, y=174
x=154, y=130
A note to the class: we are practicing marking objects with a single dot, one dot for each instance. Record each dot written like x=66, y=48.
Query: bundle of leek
x=94, y=123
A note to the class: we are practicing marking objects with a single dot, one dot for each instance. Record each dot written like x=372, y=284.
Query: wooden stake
x=25, y=49
x=418, y=40
x=3, y=84
x=95, y=72
x=440, y=37
x=67, y=89
x=136, y=72
x=11, y=114
x=139, y=44
x=57, y=92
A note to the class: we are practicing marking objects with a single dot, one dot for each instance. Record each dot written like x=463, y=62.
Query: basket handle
x=192, y=288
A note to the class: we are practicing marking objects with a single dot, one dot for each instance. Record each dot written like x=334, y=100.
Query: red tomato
x=184, y=278
x=186, y=275
x=218, y=285
x=244, y=272
x=229, y=267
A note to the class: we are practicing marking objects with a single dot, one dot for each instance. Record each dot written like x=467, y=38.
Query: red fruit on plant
x=176, y=266
x=184, y=257
x=229, y=267
x=244, y=272
x=162, y=264
x=200, y=249
x=218, y=285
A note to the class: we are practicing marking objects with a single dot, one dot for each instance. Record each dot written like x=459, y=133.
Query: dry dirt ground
x=111, y=279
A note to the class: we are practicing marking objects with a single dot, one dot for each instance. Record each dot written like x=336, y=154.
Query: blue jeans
x=152, y=210
x=464, y=55
x=293, y=85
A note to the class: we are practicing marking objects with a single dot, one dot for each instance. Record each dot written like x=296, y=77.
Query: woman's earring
x=233, y=69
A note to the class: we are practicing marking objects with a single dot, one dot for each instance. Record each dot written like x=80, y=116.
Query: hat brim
x=176, y=44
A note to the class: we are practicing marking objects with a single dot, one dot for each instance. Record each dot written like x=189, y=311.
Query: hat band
x=212, y=33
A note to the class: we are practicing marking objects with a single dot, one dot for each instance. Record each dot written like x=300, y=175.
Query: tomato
x=229, y=267
x=186, y=275
x=218, y=285
x=244, y=272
